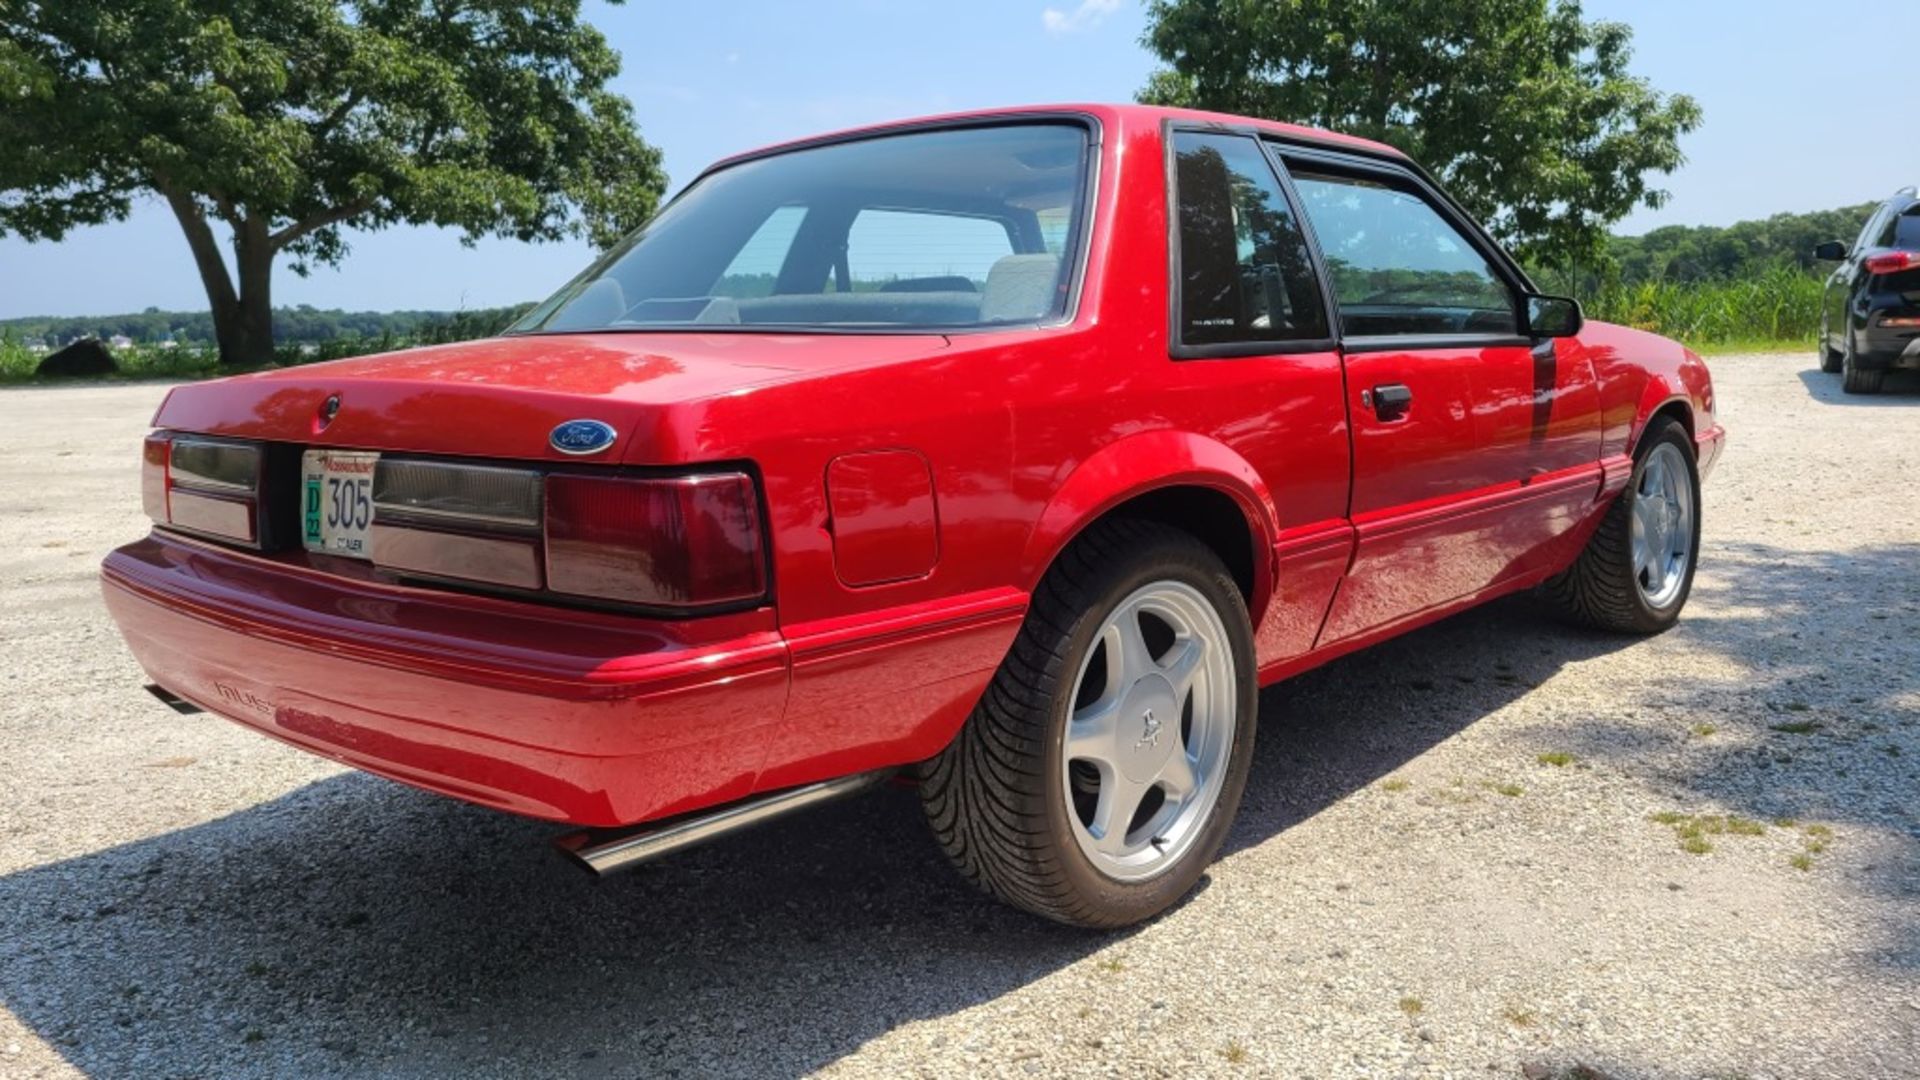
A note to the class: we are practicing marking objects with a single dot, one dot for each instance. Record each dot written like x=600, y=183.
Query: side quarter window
x=1244, y=271
x=1869, y=231
x=1399, y=267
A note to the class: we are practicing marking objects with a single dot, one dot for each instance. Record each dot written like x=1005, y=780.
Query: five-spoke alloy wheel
x=1147, y=745
x=1102, y=768
x=1663, y=533
x=1637, y=569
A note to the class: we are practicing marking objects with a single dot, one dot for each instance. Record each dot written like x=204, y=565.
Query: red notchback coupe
x=1011, y=452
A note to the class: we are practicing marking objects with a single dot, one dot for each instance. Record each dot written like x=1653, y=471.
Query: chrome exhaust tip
x=609, y=851
x=172, y=700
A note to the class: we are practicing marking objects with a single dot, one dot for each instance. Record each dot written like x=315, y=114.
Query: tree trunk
x=243, y=318
x=253, y=317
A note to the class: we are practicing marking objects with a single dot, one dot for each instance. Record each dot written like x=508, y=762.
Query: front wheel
x=1102, y=768
x=1636, y=571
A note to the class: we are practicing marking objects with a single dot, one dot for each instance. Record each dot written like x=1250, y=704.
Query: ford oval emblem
x=582, y=437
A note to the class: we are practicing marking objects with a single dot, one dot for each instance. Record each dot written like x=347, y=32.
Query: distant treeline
x=1706, y=254
x=1752, y=256
x=302, y=325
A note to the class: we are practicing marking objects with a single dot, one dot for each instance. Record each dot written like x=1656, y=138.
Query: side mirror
x=1553, y=316
x=1831, y=251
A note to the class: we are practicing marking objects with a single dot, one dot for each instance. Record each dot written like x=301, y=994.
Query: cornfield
x=1779, y=305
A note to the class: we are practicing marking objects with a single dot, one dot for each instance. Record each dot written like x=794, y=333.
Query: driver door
x=1452, y=408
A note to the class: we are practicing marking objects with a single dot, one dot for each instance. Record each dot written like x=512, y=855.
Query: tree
x=1523, y=109
x=285, y=121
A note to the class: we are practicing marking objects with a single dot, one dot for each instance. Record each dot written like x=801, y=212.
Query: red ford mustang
x=1011, y=452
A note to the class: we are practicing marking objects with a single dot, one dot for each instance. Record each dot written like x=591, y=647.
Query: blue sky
x=713, y=78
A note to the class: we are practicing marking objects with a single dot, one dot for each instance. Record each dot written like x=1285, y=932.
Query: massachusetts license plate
x=336, y=501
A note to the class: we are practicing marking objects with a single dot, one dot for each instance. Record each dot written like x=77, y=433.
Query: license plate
x=337, y=501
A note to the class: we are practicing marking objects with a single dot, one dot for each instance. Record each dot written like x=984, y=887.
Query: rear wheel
x=1853, y=379
x=1102, y=768
x=1636, y=571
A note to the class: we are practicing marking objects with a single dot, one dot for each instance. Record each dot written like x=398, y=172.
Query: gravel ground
x=1420, y=883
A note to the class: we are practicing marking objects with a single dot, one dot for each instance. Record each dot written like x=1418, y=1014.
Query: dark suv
x=1870, y=316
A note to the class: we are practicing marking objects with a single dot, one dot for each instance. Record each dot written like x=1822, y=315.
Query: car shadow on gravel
x=1900, y=388
x=1810, y=716
x=359, y=925
x=1336, y=729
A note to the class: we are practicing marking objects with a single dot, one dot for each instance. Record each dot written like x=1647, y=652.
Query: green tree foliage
x=1525, y=110
x=1746, y=249
x=283, y=121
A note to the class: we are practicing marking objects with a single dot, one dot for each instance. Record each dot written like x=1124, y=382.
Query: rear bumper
x=589, y=718
x=1888, y=347
x=568, y=716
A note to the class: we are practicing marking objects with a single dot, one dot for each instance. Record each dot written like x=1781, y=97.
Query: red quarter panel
x=881, y=513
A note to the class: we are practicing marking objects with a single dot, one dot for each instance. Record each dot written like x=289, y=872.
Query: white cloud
x=1089, y=14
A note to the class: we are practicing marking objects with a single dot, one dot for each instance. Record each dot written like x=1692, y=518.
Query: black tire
x=1829, y=358
x=995, y=796
x=1599, y=589
x=1855, y=380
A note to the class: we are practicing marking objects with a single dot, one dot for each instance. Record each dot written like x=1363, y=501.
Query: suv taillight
x=686, y=541
x=1892, y=262
x=201, y=485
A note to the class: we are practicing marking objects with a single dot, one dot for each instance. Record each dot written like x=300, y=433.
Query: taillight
x=202, y=485
x=1892, y=262
x=689, y=541
x=472, y=522
x=679, y=543
x=153, y=476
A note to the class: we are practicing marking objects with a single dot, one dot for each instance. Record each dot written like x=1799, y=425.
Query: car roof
x=1127, y=116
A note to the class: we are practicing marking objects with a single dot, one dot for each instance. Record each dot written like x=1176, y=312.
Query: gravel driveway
x=1464, y=853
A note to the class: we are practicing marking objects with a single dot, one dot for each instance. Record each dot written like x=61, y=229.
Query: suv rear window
x=1906, y=229
x=946, y=229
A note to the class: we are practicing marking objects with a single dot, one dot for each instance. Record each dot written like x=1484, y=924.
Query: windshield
x=947, y=229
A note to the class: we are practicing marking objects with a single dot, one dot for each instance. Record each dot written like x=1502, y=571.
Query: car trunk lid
x=503, y=397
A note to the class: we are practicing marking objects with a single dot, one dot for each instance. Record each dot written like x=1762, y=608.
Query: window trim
x=1498, y=261
x=1077, y=252
x=1177, y=346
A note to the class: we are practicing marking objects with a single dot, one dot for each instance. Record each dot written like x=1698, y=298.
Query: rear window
x=1906, y=229
x=956, y=228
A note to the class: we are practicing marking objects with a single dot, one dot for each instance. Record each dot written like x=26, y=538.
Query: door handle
x=1389, y=401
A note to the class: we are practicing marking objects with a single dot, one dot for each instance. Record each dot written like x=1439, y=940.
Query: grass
x=1520, y=1017
x=1396, y=784
x=1235, y=1053
x=1704, y=730
x=1559, y=759
x=1412, y=1006
x=194, y=360
x=17, y=362
x=1695, y=830
x=1511, y=791
x=1778, y=308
